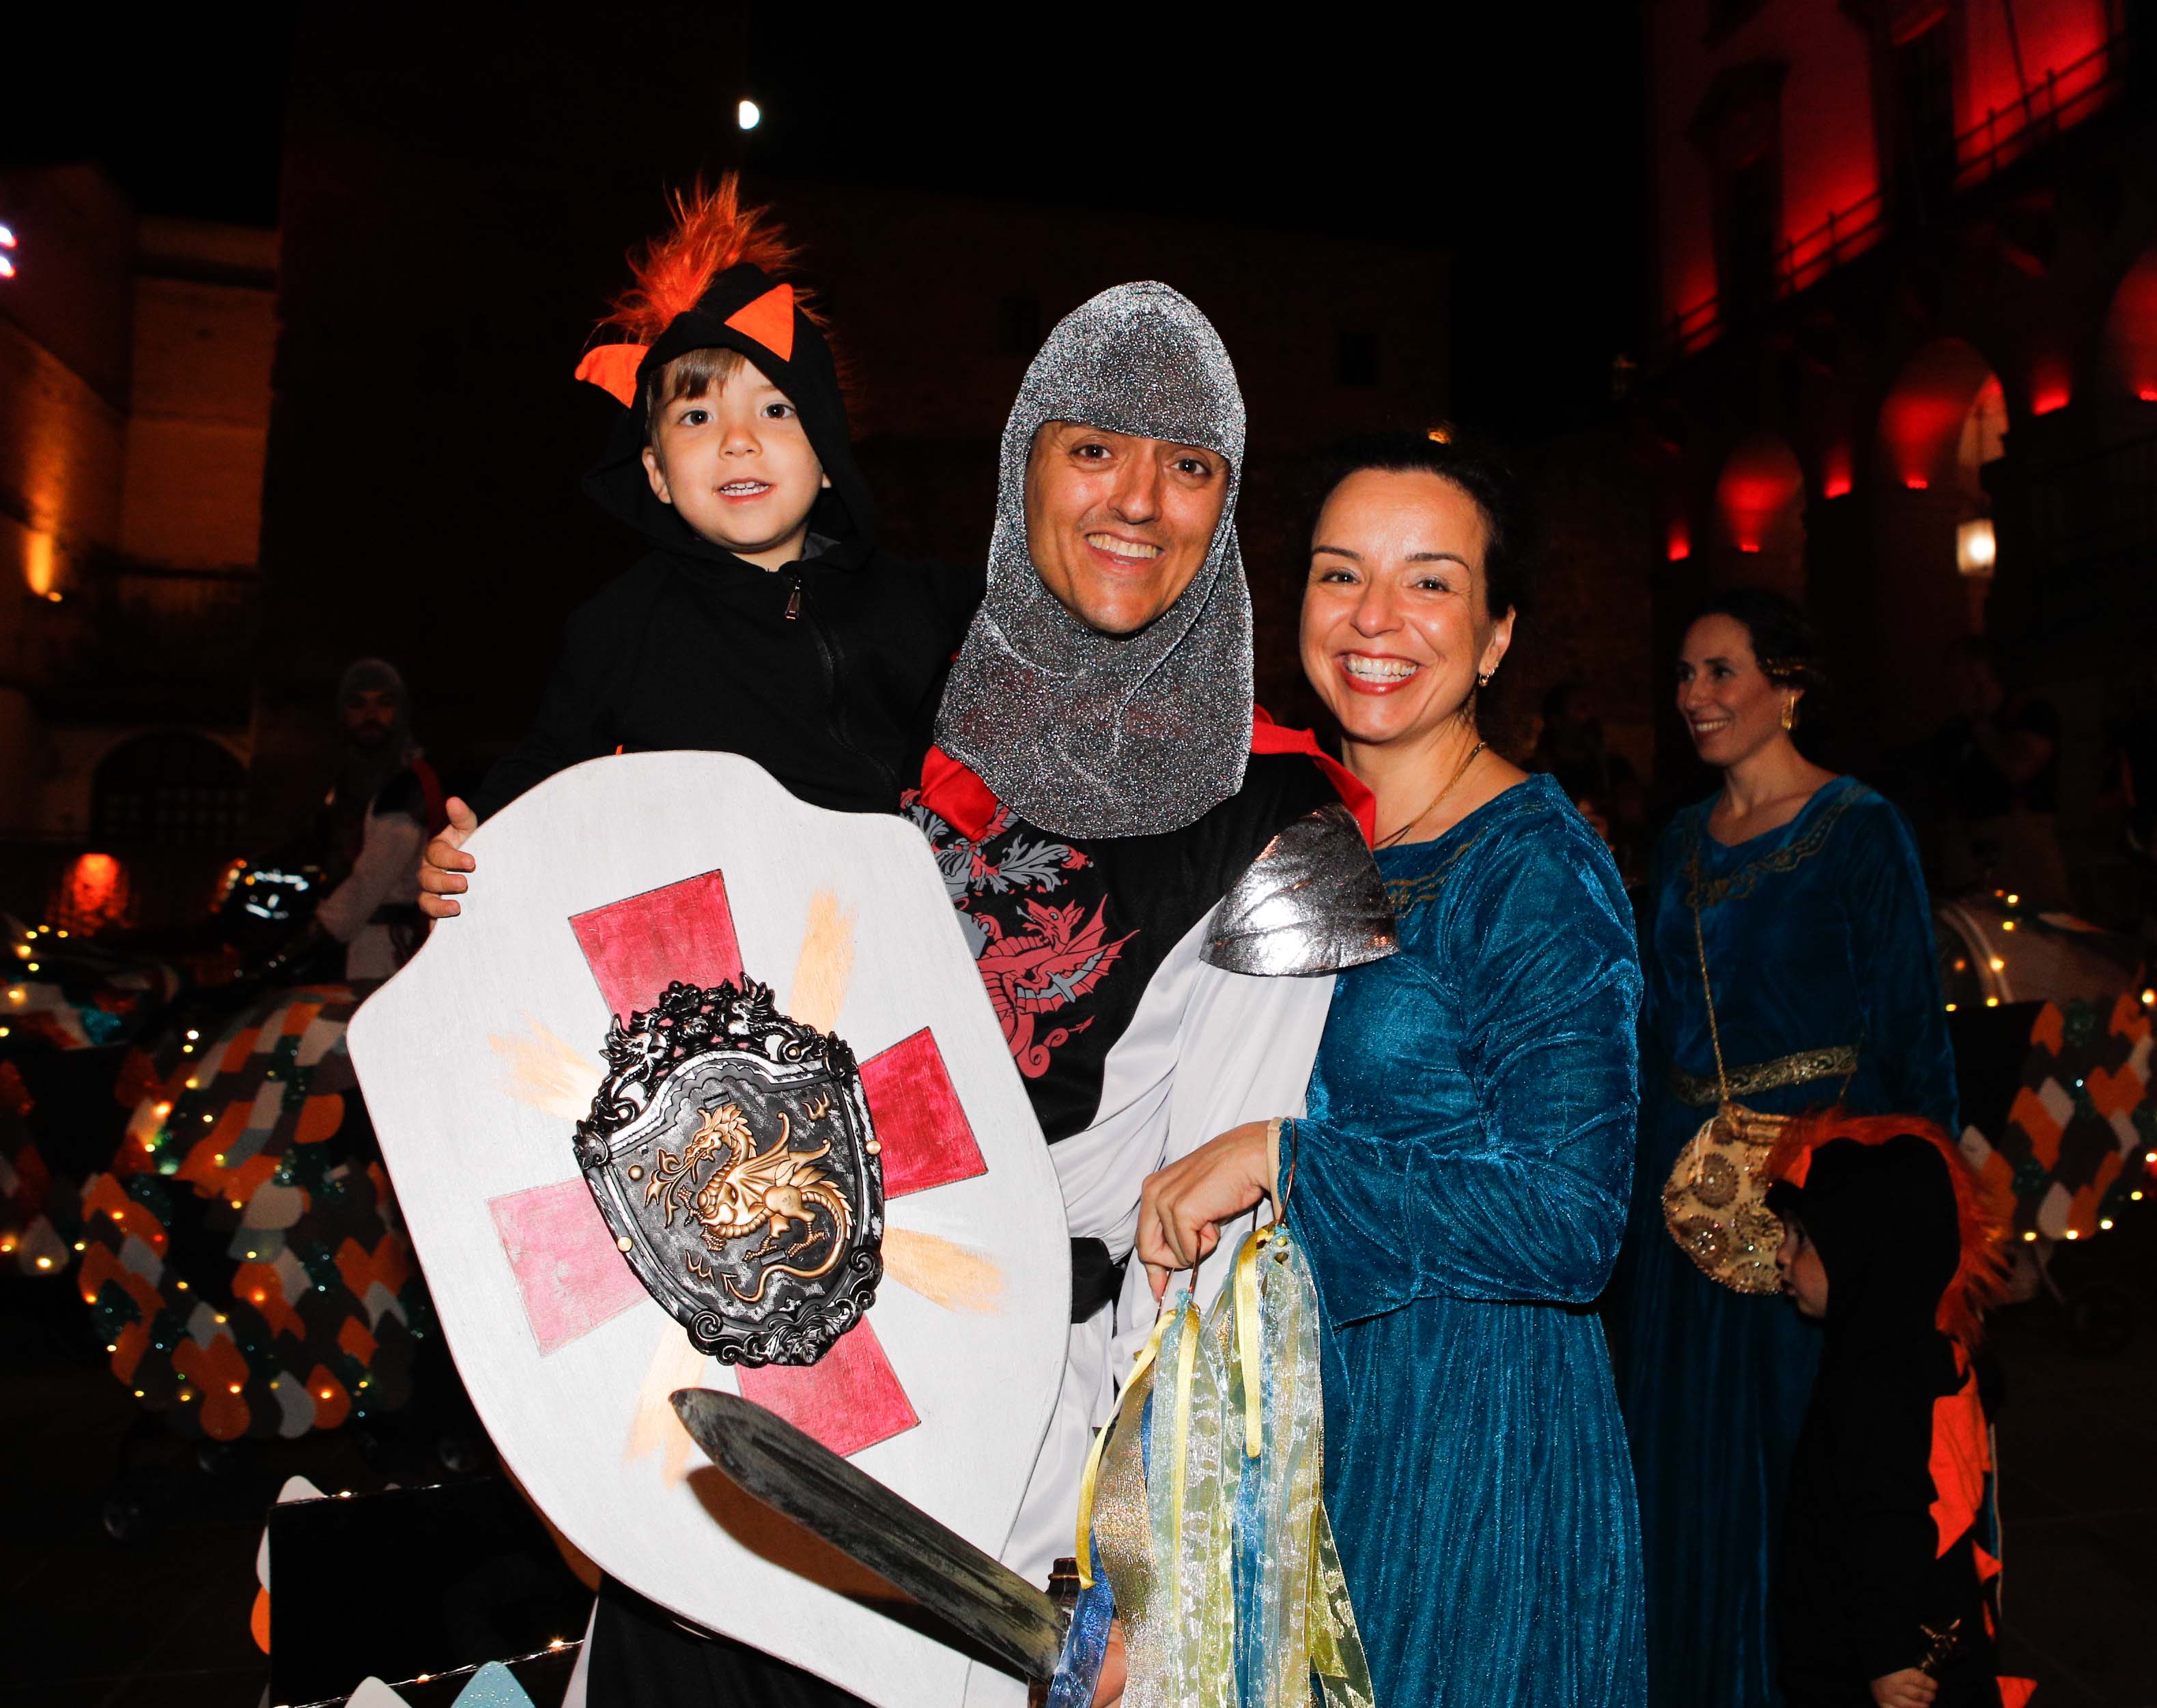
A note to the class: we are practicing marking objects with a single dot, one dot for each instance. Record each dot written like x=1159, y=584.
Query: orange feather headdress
x=673, y=275
x=712, y=232
x=1981, y=1276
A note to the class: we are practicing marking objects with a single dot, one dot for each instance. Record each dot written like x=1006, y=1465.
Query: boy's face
x=738, y=466
x=1804, y=1276
x=1117, y=525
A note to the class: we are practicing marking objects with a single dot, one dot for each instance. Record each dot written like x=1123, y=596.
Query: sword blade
x=799, y=1476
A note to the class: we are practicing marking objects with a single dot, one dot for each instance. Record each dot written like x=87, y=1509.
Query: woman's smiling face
x=1395, y=624
x=1730, y=706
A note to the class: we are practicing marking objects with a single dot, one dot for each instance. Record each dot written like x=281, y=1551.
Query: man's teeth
x=1381, y=670
x=1122, y=548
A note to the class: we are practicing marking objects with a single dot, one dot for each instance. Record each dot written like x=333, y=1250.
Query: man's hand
x=1108, y=1688
x=442, y=866
x=1910, y=1688
x=1181, y=1208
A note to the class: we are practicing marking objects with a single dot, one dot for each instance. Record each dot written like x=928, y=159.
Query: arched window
x=171, y=787
x=2131, y=333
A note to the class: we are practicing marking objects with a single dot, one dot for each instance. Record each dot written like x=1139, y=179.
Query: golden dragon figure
x=750, y=1189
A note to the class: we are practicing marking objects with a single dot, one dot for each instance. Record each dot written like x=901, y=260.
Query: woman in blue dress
x=1459, y=1185
x=1816, y=936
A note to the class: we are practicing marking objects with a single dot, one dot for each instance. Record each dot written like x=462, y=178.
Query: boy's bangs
x=688, y=375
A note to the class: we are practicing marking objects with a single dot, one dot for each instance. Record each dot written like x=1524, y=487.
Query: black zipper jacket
x=825, y=672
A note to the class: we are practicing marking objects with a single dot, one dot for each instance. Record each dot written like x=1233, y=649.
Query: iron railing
x=2067, y=95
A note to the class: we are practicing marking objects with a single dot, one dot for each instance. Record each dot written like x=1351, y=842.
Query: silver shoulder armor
x=1312, y=901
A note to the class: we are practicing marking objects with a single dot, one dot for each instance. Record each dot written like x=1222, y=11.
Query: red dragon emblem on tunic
x=1029, y=973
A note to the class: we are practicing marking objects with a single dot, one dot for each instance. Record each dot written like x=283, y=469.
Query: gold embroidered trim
x=1838, y=1061
x=1408, y=893
x=1703, y=891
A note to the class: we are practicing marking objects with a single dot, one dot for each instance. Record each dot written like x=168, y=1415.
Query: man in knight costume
x=1155, y=884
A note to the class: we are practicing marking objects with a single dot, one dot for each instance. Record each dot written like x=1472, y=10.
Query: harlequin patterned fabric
x=243, y=1256
x=2074, y=1140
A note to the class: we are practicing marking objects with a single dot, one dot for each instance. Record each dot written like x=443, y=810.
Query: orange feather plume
x=712, y=232
x=1981, y=1277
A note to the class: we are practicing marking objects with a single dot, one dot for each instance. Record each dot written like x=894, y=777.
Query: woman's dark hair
x=1784, y=642
x=1477, y=472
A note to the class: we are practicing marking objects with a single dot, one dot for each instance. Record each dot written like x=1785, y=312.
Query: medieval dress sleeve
x=1906, y=1029
x=1542, y=975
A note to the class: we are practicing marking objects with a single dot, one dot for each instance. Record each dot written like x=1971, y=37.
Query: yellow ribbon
x=1139, y=1365
x=1247, y=1347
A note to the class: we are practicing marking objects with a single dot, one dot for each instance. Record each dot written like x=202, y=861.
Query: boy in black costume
x=764, y=620
x=1888, y=1591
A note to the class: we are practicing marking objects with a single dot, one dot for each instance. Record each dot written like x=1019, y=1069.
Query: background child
x=1887, y=1591
x=763, y=620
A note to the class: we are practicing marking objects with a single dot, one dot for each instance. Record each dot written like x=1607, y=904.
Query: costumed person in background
x=1100, y=800
x=385, y=805
x=1890, y=1583
x=1997, y=764
x=765, y=619
x=1459, y=1184
x=1789, y=965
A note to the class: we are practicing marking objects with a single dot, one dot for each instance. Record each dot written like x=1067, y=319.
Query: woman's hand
x=1909, y=1688
x=445, y=860
x=1181, y=1207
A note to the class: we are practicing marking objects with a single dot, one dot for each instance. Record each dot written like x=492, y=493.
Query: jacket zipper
x=827, y=652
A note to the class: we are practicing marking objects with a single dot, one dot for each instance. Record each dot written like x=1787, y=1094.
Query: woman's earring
x=1790, y=712
x=1483, y=678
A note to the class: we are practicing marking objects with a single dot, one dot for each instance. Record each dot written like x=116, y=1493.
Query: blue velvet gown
x=1818, y=934
x=1460, y=1189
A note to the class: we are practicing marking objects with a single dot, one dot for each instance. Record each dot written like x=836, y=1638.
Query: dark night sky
x=1481, y=130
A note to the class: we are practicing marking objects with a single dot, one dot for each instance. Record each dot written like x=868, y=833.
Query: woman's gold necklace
x=1452, y=784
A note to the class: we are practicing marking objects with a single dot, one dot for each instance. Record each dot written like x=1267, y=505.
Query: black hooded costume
x=1884, y=1563
x=827, y=672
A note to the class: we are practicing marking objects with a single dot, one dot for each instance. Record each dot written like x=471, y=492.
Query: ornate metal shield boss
x=730, y=1150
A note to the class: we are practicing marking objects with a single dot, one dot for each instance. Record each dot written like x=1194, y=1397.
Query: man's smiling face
x=1117, y=525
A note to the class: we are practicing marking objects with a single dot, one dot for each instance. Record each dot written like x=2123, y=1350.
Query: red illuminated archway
x=1922, y=422
x=1760, y=515
x=2130, y=361
x=1760, y=498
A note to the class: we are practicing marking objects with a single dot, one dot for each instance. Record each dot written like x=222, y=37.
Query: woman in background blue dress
x=1459, y=1186
x=1817, y=939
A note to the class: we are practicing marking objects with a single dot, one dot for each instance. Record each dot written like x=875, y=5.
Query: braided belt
x=1838, y=1061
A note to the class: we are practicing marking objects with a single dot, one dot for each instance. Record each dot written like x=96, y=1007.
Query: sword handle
x=1063, y=1596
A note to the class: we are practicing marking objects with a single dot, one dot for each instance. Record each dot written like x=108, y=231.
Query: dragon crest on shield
x=730, y=1150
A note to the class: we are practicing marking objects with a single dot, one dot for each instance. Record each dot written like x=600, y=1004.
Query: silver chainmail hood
x=1088, y=735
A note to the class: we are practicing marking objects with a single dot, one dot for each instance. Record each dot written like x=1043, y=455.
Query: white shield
x=478, y=1059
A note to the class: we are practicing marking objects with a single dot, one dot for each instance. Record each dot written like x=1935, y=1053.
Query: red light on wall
x=1748, y=546
x=93, y=892
x=1680, y=546
x=2047, y=398
x=1916, y=483
x=1834, y=471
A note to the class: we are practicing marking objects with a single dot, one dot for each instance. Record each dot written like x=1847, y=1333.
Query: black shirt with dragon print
x=1068, y=931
